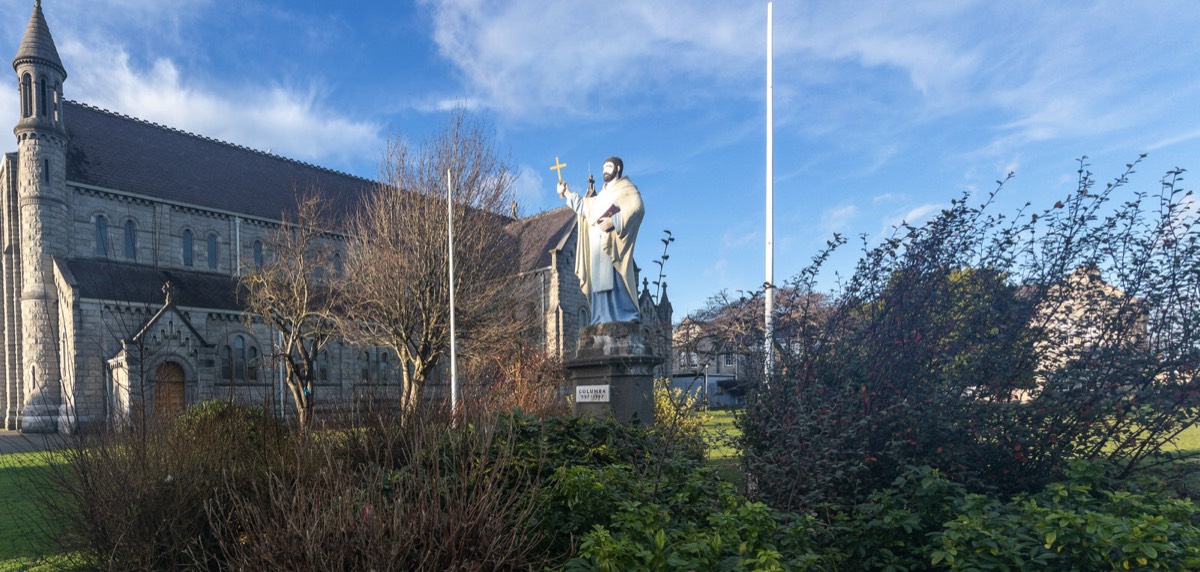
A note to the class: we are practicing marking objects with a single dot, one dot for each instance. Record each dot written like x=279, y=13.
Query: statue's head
x=614, y=169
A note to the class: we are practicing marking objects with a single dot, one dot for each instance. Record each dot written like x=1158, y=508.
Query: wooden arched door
x=169, y=398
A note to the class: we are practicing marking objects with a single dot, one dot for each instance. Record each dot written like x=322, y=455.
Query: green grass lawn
x=23, y=544
x=722, y=452
x=1188, y=441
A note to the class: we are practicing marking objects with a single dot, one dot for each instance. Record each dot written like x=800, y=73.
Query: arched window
x=212, y=251
x=239, y=357
x=240, y=360
x=57, y=100
x=187, y=247
x=366, y=366
x=101, y=235
x=252, y=363
x=258, y=256
x=46, y=170
x=26, y=95
x=385, y=369
x=43, y=96
x=130, y=240
x=227, y=364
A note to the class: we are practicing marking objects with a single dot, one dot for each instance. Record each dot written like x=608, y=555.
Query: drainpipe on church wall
x=237, y=246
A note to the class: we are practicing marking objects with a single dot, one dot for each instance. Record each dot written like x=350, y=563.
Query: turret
x=40, y=76
x=44, y=220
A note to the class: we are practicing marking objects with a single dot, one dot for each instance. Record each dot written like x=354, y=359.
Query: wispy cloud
x=718, y=270
x=530, y=190
x=913, y=216
x=838, y=218
x=1174, y=139
x=533, y=60
x=288, y=120
x=95, y=40
x=732, y=241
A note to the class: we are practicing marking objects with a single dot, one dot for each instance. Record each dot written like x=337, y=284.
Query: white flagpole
x=769, y=294
x=453, y=340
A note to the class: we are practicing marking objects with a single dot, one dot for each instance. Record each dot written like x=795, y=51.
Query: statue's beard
x=608, y=177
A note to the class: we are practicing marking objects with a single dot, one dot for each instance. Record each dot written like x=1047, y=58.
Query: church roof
x=100, y=279
x=539, y=234
x=37, y=42
x=122, y=153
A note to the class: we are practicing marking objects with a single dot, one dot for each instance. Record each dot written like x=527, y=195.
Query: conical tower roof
x=37, y=43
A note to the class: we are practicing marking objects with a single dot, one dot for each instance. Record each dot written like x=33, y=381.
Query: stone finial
x=168, y=293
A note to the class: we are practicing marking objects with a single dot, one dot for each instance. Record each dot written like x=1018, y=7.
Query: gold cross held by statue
x=558, y=167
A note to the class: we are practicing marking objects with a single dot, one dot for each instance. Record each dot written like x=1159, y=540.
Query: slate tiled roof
x=539, y=234
x=100, y=279
x=122, y=153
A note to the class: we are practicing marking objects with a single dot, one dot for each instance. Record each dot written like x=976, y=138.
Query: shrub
x=679, y=416
x=700, y=524
x=132, y=501
x=1089, y=521
x=995, y=348
x=413, y=493
x=588, y=466
x=742, y=536
x=522, y=379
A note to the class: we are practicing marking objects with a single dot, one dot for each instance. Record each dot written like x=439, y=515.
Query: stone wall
x=160, y=229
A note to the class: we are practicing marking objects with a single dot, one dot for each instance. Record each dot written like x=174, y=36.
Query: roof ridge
x=544, y=213
x=176, y=130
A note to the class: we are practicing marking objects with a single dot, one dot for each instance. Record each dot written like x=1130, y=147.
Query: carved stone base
x=39, y=418
x=616, y=356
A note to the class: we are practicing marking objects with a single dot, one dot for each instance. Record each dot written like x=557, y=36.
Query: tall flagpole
x=453, y=340
x=769, y=294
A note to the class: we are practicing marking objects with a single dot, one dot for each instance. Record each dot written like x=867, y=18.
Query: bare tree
x=293, y=293
x=397, y=261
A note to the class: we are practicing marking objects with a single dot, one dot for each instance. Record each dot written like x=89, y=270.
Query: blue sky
x=884, y=111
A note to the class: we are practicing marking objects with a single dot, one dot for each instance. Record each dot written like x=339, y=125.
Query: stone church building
x=122, y=245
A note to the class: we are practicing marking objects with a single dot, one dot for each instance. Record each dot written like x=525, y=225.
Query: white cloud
x=93, y=38
x=530, y=190
x=718, y=270
x=288, y=121
x=1174, y=139
x=914, y=216
x=838, y=218
x=920, y=39
x=535, y=59
x=732, y=241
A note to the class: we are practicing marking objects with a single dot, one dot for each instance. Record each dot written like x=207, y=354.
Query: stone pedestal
x=611, y=373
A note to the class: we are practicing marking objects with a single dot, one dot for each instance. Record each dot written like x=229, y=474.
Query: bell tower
x=42, y=205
